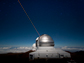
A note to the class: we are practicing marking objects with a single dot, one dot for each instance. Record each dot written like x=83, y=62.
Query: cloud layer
x=72, y=49
x=14, y=49
x=25, y=49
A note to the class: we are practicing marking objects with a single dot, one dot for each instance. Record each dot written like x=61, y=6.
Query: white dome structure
x=34, y=47
x=45, y=49
x=45, y=40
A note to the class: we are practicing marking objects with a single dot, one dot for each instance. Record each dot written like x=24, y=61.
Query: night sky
x=63, y=20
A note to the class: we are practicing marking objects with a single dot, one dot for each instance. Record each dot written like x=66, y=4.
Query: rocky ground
x=24, y=58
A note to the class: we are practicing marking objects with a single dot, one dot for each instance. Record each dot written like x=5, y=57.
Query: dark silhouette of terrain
x=78, y=56
x=24, y=58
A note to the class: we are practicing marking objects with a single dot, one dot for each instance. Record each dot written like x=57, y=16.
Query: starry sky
x=63, y=20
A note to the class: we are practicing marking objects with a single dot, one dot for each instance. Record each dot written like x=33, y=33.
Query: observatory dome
x=45, y=40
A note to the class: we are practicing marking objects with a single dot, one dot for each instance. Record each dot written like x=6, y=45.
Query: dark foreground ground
x=24, y=58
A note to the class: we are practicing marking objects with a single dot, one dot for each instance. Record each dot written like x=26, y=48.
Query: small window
x=31, y=56
x=47, y=55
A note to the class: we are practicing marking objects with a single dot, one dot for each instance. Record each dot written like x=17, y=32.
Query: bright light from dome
x=45, y=39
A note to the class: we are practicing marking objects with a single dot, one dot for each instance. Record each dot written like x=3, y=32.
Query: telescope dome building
x=44, y=49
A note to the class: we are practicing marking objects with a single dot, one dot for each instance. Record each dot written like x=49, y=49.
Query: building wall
x=47, y=53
